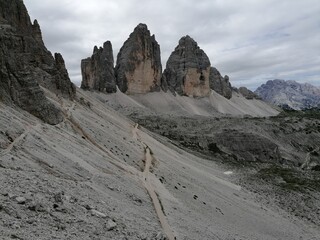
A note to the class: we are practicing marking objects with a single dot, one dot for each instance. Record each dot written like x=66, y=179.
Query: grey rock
x=187, y=70
x=160, y=236
x=21, y=200
x=248, y=94
x=98, y=70
x=97, y=213
x=36, y=207
x=220, y=84
x=139, y=68
x=290, y=94
x=58, y=197
x=25, y=64
x=63, y=83
x=110, y=225
x=249, y=146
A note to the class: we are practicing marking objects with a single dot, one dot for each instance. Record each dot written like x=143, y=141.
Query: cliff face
x=25, y=64
x=290, y=94
x=187, y=70
x=139, y=68
x=248, y=94
x=98, y=70
x=220, y=84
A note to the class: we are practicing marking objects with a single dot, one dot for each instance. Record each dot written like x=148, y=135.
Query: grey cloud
x=251, y=41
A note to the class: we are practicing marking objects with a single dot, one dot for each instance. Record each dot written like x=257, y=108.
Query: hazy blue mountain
x=290, y=94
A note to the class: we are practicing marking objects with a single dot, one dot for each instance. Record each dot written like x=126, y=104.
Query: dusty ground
x=265, y=155
x=98, y=175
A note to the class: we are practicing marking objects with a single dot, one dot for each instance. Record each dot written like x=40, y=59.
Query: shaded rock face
x=220, y=84
x=187, y=70
x=249, y=146
x=62, y=80
x=138, y=68
x=25, y=63
x=248, y=94
x=98, y=70
x=291, y=94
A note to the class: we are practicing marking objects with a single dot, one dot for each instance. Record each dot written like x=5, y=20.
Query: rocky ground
x=99, y=175
x=266, y=154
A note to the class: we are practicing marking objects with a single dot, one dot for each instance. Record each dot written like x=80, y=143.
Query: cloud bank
x=251, y=41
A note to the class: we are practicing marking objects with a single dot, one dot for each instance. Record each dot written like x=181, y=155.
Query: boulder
x=187, y=70
x=220, y=84
x=26, y=64
x=138, y=68
x=98, y=70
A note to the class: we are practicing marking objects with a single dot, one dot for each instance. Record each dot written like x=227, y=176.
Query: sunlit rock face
x=187, y=70
x=138, y=69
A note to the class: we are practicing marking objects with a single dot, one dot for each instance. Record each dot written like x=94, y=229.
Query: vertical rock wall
x=25, y=64
x=187, y=70
x=139, y=68
x=98, y=70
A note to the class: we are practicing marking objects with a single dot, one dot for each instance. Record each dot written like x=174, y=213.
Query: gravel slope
x=83, y=179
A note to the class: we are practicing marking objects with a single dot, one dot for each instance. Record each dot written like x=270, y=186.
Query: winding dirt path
x=151, y=189
x=18, y=139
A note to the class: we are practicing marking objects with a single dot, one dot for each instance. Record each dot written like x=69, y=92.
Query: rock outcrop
x=25, y=63
x=61, y=78
x=220, y=84
x=248, y=94
x=138, y=68
x=187, y=70
x=290, y=94
x=98, y=70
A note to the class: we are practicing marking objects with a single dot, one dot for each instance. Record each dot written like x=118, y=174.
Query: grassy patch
x=293, y=180
x=313, y=113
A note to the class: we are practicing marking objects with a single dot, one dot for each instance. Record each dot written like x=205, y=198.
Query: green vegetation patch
x=291, y=179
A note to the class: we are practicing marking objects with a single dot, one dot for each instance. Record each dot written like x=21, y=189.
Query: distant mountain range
x=290, y=94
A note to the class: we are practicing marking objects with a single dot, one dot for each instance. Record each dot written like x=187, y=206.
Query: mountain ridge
x=290, y=94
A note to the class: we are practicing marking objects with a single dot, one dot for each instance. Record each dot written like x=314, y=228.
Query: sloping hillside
x=167, y=103
x=89, y=178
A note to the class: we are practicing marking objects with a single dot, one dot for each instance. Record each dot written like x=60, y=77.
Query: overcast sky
x=249, y=40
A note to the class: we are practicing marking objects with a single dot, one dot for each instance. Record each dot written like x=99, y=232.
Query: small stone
x=160, y=236
x=10, y=195
x=31, y=221
x=88, y=207
x=98, y=214
x=111, y=225
x=59, y=197
x=37, y=207
x=21, y=200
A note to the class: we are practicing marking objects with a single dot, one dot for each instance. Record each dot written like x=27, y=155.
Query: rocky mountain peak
x=36, y=32
x=25, y=63
x=247, y=93
x=139, y=68
x=98, y=70
x=220, y=84
x=15, y=14
x=187, y=70
x=290, y=94
x=141, y=26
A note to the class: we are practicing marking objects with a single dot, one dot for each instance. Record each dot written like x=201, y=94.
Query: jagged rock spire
x=187, y=70
x=139, y=68
x=25, y=63
x=98, y=71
